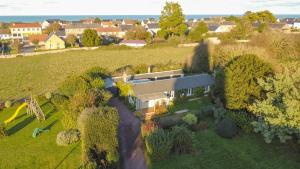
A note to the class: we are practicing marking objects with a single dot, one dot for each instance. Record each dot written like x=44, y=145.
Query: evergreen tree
x=172, y=20
x=197, y=33
x=90, y=38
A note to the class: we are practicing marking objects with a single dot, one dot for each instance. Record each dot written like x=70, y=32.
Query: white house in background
x=5, y=34
x=129, y=22
x=48, y=22
x=153, y=28
x=225, y=27
x=296, y=25
x=133, y=43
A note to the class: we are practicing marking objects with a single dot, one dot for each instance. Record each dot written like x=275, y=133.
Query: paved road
x=131, y=145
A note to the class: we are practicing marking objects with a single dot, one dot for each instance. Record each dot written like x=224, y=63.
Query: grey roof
x=74, y=26
x=213, y=27
x=153, y=26
x=51, y=34
x=151, y=87
x=61, y=33
x=54, y=20
x=126, y=27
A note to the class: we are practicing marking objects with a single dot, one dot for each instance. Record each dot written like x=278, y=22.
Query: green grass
x=193, y=106
x=45, y=72
x=242, y=152
x=21, y=150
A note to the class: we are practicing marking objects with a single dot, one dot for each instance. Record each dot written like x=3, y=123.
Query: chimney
x=124, y=76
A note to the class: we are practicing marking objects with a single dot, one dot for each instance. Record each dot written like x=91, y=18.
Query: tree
x=71, y=39
x=54, y=27
x=261, y=16
x=197, y=33
x=16, y=45
x=97, y=20
x=90, y=38
x=240, y=85
x=262, y=27
x=280, y=108
x=243, y=30
x=138, y=33
x=172, y=20
x=36, y=43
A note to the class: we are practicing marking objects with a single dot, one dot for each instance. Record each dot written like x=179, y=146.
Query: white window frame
x=172, y=93
x=189, y=92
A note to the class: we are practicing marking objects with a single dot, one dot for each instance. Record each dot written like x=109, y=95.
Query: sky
x=139, y=7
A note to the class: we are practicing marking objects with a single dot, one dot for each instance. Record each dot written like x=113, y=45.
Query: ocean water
x=78, y=17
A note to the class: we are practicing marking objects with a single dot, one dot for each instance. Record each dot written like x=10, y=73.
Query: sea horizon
x=41, y=18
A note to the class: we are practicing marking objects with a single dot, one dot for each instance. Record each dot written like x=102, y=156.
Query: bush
x=98, y=84
x=148, y=128
x=182, y=140
x=169, y=121
x=48, y=95
x=199, y=126
x=2, y=130
x=95, y=73
x=206, y=111
x=99, y=129
x=69, y=119
x=59, y=100
x=190, y=119
x=159, y=144
x=227, y=128
x=72, y=85
x=65, y=138
x=199, y=92
x=8, y=104
x=219, y=114
x=242, y=119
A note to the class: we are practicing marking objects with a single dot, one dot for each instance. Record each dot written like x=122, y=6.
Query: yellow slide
x=15, y=114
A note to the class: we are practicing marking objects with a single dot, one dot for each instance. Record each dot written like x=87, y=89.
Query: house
x=23, y=30
x=225, y=27
x=54, y=42
x=48, y=22
x=145, y=94
x=212, y=27
x=125, y=28
x=145, y=22
x=133, y=43
x=153, y=28
x=39, y=38
x=109, y=31
x=129, y=22
x=78, y=29
x=88, y=21
x=279, y=26
x=5, y=34
x=296, y=25
x=190, y=25
x=107, y=24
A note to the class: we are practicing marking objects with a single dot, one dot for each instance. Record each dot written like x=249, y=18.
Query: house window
x=172, y=93
x=189, y=92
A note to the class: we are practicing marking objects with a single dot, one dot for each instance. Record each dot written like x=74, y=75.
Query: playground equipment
x=38, y=131
x=33, y=108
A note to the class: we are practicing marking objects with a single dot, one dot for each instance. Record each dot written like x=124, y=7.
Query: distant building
x=78, y=29
x=88, y=21
x=54, y=42
x=153, y=28
x=279, y=26
x=296, y=25
x=133, y=43
x=129, y=22
x=24, y=30
x=107, y=24
x=212, y=27
x=41, y=38
x=48, y=22
x=225, y=27
x=125, y=28
x=109, y=31
x=5, y=34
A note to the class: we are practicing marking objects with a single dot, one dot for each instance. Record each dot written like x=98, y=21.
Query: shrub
x=98, y=84
x=199, y=92
x=59, y=100
x=8, y=104
x=81, y=100
x=148, y=128
x=48, y=95
x=219, y=114
x=169, y=121
x=206, y=111
x=190, y=119
x=69, y=119
x=99, y=129
x=182, y=140
x=202, y=125
x=227, y=128
x=65, y=138
x=159, y=144
x=95, y=73
x=242, y=119
x=2, y=130
x=72, y=85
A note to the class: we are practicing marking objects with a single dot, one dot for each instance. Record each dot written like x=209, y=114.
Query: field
x=246, y=151
x=45, y=72
x=21, y=150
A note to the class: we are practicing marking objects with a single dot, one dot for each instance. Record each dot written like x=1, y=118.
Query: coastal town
x=53, y=34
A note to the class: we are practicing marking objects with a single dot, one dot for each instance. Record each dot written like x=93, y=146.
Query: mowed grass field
x=45, y=72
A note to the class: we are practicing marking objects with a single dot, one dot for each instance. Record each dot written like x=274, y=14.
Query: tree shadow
x=69, y=153
x=51, y=125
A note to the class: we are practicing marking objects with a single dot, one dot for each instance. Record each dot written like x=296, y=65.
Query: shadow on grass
x=51, y=125
x=20, y=125
x=73, y=149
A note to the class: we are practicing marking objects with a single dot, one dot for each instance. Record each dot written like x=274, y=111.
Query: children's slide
x=15, y=114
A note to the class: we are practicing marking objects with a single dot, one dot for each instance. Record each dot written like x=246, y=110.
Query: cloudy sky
x=109, y=7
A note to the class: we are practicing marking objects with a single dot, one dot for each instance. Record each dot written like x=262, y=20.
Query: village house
x=129, y=22
x=107, y=24
x=279, y=26
x=40, y=39
x=23, y=30
x=54, y=42
x=78, y=29
x=110, y=31
x=225, y=27
x=125, y=28
x=133, y=43
x=153, y=28
x=5, y=34
x=149, y=90
x=48, y=22
x=87, y=21
x=296, y=25
x=212, y=27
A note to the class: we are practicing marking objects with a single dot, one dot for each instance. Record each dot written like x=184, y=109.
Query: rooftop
x=25, y=25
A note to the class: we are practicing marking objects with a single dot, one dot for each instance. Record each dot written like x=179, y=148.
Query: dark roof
x=153, y=26
x=54, y=20
x=61, y=33
x=51, y=34
x=126, y=27
x=151, y=87
x=74, y=26
x=212, y=27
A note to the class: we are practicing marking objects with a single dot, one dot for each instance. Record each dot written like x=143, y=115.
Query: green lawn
x=21, y=150
x=242, y=152
x=44, y=72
